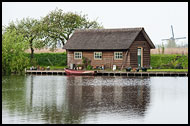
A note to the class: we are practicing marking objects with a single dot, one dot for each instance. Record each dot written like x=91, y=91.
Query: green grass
x=168, y=70
x=57, y=67
x=52, y=67
x=156, y=70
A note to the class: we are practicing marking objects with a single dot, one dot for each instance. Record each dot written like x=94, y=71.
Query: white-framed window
x=97, y=55
x=118, y=55
x=77, y=55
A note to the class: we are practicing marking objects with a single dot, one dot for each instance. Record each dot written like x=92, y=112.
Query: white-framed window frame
x=77, y=55
x=117, y=55
x=96, y=55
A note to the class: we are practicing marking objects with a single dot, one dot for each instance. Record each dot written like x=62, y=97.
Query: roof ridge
x=110, y=30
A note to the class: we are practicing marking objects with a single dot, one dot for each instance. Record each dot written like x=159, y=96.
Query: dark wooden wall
x=146, y=53
x=140, y=37
x=140, y=41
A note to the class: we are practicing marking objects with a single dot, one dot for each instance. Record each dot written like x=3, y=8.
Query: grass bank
x=159, y=62
x=167, y=70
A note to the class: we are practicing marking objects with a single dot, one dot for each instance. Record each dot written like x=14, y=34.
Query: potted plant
x=128, y=69
x=137, y=69
x=79, y=67
x=89, y=67
x=144, y=69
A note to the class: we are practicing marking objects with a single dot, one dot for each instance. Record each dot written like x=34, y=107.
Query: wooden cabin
x=126, y=47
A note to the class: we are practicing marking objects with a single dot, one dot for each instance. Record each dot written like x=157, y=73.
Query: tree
x=163, y=48
x=158, y=49
x=59, y=26
x=13, y=57
x=31, y=31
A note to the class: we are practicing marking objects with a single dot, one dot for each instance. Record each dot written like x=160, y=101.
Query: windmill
x=171, y=41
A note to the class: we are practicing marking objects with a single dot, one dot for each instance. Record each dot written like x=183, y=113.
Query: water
x=94, y=99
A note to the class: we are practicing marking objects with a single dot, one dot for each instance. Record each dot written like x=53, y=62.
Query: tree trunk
x=32, y=51
x=63, y=42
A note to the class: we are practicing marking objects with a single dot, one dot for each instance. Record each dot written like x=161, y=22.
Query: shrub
x=50, y=59
x=79, y=65
x=14, y=59
x=169, y=61
x=86, y=62
x=89, y=67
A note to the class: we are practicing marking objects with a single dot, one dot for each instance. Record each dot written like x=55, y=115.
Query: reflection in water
x=75, y=99
x=13, y=94
x=124, y=97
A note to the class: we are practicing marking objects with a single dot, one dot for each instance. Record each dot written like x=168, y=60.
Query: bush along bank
x=169, y=61
x=49, y=59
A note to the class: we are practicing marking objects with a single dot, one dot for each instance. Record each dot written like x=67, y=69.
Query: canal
x=94, y=99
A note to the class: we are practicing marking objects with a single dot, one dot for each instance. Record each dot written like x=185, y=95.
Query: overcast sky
x=155, y=17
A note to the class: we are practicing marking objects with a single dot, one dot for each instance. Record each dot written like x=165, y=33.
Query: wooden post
x=125, y=57
x=112, y=62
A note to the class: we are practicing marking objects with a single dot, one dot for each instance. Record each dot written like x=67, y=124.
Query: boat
x=78, y=72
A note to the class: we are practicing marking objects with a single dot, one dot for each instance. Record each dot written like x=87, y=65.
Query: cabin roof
x=104, y=39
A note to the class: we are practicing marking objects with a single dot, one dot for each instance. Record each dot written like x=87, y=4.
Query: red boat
x=78, y=72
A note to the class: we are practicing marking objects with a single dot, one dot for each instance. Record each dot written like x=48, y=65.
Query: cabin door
x=139, y=56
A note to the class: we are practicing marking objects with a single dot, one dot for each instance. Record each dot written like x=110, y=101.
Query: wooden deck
x=46, y=72
x=109, y=73
x=105, y=73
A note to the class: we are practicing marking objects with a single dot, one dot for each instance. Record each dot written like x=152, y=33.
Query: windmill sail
x=172, y=31
x=181, y=38
x=171, y=41
x=165, y=39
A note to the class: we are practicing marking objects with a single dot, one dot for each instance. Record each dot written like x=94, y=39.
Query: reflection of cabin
x=85, y=98
x=108, y=47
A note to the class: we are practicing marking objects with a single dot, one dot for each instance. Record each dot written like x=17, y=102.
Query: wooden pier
x=142, y=73
x=109, y=73
x=46, y=72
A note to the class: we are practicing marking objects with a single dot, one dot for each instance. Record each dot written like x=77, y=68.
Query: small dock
x=109, y=73
x=46, y=72
x=103, y=73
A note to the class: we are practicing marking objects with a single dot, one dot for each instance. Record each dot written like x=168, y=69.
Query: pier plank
x=111, y=73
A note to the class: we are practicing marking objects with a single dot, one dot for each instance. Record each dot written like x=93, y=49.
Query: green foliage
x=33, y=62
x=170, y=61
x=79, y=65
x=31, y=29
x=85, y=62
x=14, y=60
x=89, y=67
x=55, y=59
x=59, y=26
x=55, y=27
